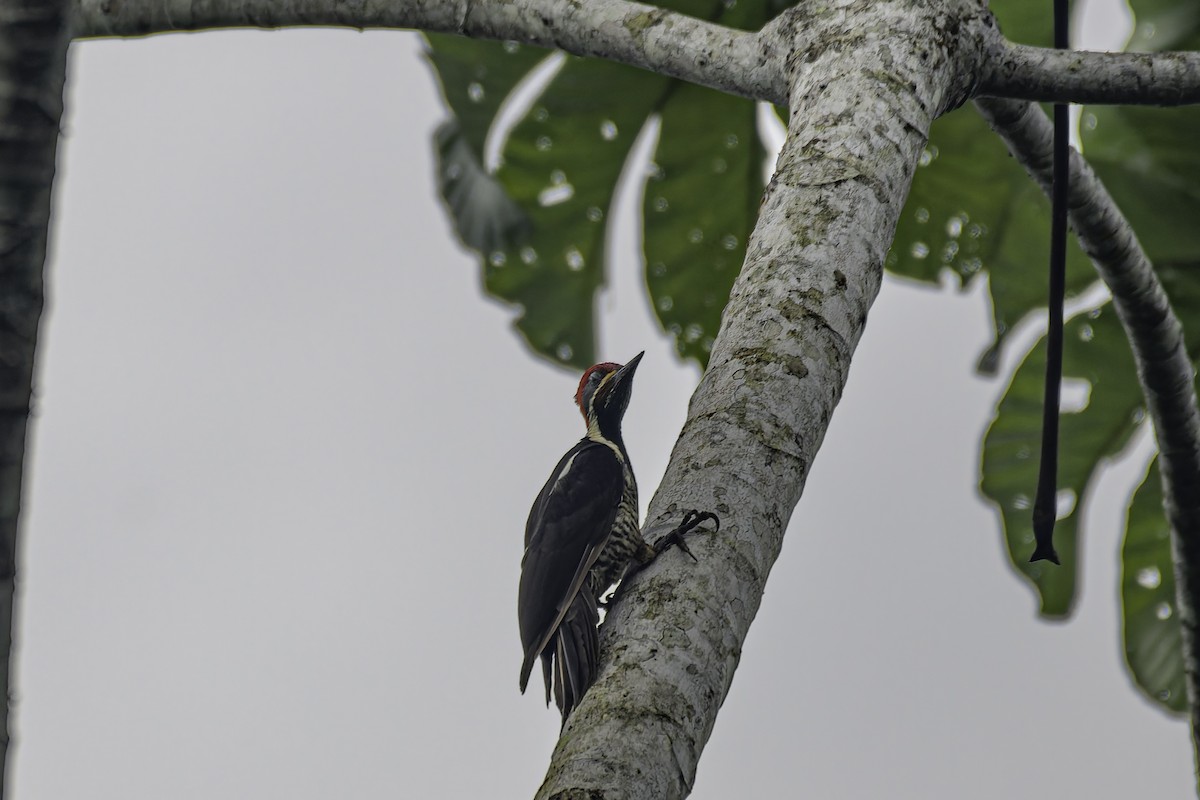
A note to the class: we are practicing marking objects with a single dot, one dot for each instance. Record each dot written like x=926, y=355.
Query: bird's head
x=603, y=394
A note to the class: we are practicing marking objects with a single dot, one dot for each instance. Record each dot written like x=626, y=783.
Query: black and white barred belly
x=625, y=544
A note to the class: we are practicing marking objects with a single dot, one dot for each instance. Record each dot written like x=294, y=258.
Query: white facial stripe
x=595, y=435
x=594, y=422
x=596, y=391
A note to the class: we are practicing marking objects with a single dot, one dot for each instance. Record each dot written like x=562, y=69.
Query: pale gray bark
x=643, y=36
x=662, y=41
x=33, y=58
x=1156, y=336
x=862, y=106
x=1077, y=76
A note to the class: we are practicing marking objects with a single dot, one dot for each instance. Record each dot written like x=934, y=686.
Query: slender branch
x=1165, y=371
x=1078, y=76
x=666, y=42
x=33, y=58
x=739, y=62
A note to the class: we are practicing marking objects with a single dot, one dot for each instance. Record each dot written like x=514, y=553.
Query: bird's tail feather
x=547, y=671
x=576, y=653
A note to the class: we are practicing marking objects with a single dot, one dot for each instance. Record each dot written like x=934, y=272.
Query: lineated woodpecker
x=581, y=537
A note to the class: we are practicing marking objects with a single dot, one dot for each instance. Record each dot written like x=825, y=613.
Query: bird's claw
x=691, y=520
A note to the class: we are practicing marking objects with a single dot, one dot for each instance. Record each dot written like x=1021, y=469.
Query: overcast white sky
x=284, y=452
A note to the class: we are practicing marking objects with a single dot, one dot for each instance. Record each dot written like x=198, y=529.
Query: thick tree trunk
x=33, y=57
x=862, y=102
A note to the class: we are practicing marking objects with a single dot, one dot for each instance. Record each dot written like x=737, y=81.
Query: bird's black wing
x=568, y=526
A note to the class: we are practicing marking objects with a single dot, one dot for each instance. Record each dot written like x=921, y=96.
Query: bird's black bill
x=626, y=372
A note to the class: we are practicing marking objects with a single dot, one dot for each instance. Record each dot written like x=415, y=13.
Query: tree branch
x=1078, y=76
x=666, y=42
x=33, y=58
x=862, y=107
x=1165, y=371
x=739, y=62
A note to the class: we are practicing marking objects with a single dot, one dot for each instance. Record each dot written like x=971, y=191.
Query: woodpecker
x=581, y=537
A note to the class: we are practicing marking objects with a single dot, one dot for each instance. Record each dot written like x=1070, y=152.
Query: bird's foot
x=691, y=520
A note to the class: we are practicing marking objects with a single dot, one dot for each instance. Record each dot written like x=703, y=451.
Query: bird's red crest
x=599, y=370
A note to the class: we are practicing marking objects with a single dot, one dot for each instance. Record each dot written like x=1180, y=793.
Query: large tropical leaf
x=558, y=168
x=1148, y=161
x=1096, y=360
x=539, y=219
x=973, y=210
x=561, y=164
x=1165, y=25
x=1097, y=353
x=476, y=78
x=1152, y=633
x=693, y=245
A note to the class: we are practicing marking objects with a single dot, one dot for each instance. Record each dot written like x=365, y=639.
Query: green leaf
x=561, y=164
x=1152, y=633
x=1182, y=283
x=539, y=222
x=1164, y=25
x=1151, y=623
x=971, y=209
x=476, y=77
x=1147, y=156
x=1096, y=353
x=694, y=246
x=1026, y=21
x=1148, y=159
x=708, y=147
x=485, y=218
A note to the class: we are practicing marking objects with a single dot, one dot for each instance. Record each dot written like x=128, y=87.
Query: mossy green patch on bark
x=638, y=24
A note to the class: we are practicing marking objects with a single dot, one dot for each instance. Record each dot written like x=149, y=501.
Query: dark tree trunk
x=33, y=57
